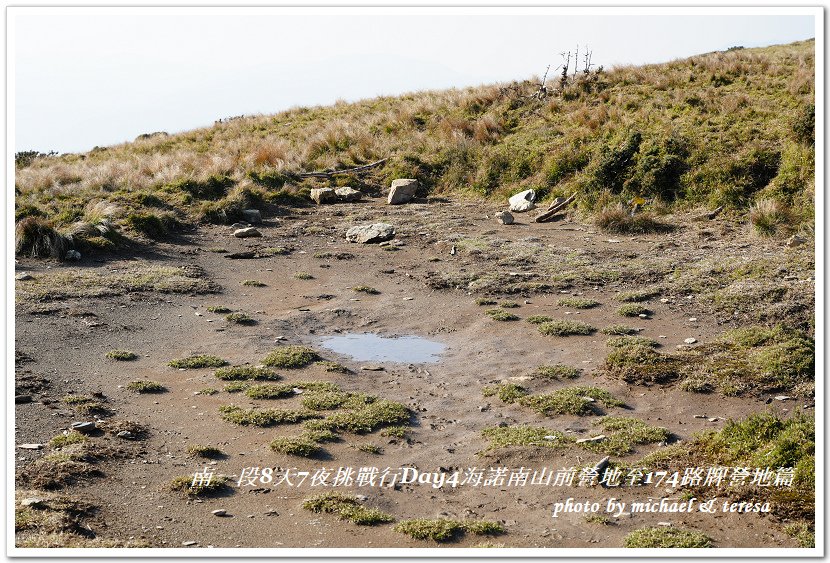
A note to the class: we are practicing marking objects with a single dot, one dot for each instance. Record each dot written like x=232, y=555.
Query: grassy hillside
x=727, y=128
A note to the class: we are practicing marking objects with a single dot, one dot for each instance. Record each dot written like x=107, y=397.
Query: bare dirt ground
x=426, y=289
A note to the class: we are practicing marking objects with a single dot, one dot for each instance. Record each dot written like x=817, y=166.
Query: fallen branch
x=554, y=209
x=330, y=173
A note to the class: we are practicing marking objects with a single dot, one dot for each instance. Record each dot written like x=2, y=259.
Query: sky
x=84, y=78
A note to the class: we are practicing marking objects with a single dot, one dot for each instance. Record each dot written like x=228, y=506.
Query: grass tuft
x=145, y=386
x=291, y=357
x=577, y=303
x=501, y=315
x=632, y=310
x=665, y=537
x=198, y=362
x=565, y=328
x=245, y=373
x=570, y=400
x=122, y=355
x=557, y=372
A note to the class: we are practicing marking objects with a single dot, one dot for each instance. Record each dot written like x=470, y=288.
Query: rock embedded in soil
x=252, y=216
x=30, y=446
x=220, y=512
x=24, y=276
x=368, y=234
x=504, y=218
x=83, y=427
x=323, y=195
x=690, y=341
x=796, y=240
x=247, y=233
x=402, y=191
x=348, y=194
x=22, y=399
x=522, y=201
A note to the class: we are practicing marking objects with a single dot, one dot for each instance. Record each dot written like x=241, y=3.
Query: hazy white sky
x=82, y=79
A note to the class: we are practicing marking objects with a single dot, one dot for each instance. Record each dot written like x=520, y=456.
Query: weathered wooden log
x=330, y=173
x=554, y=209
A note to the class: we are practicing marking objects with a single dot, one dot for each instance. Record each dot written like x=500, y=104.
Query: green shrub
x=557, y=371
x=144, y=386
x=565, y=328
x=197, y=362
x=666, y=537
x=122, y=355
x=506, y=392
x=240, y=373
x=577, y=303
x=570, y=400
x=632, y=310
x=501, y=315
x=291, y=357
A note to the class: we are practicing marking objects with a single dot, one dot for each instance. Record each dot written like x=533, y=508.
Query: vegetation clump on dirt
x=442, y=530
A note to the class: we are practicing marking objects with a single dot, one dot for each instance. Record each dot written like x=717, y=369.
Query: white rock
x=348, y=194
x=782, y=398
x=796, y=240
x=367, y=234
x=402, y=191
x=30, y=446
x=522, y=201
x=23, y=276
x=690, y=340
x=323, y=195
x=599, y=438
x=247, y=232
x=219, y=512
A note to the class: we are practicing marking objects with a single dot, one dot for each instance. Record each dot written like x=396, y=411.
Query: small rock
x=402, y=190
x=127, y=435
x=796, y=240
x=83, y=427
x=361, y=498
x=73, y=255
x=504, y=217
x=252, y=216
x=367, y=234
x=247, y=232
x=453, y=251
x=372, y=367
x=189, y=543
x=601, y=465
x=713, y=419
x=522, y=201
x=323, y=195
x=782, y=397
x=483, y=408
x=32, y=501
x=692, y=319
x=30, y=446
x=664, y=523
x=701, y=416
x=643, y=316
x=240, y=225
x=348, y=194
x=690, y=341
x=550, y=437
x=23, y=276
x=219, y=512
x=22, y=399
x=662, y=336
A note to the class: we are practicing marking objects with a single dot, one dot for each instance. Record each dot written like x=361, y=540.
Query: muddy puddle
x=373, y=347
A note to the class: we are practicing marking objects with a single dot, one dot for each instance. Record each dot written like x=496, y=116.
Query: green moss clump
x=324, y=400
x=484, y=301
x=578, y=303
x=570, y=400
x=503, y=436
x=63, y=440
x=637, y=296
x=347, y=507
x=253, y=283
x=291, y=357
x=266, y=391
x=301, y=446
x=666, y=537
x=240, y=319
x=303, y=276
x=245, y=373
x=208, y=452
x=565, y=328
x=366, y=289
x=263, y=417
x=633, y=310
x=641, y=364
x=122, y=355
x=557, y=372
x=219, y=309
x=506, y=392
x=623, y=341
x=369, y=418
x=442, y=530
x=197, y=362
x=501, y=315
x=333, y=367
x=184, y=483
x=509, y=305
x=144, y=386
x=539, y=319
x=625, y=433
x=619, y=330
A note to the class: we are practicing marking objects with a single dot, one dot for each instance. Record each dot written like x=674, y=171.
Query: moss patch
x=666, y=537
x=291, y=357
x=198, y=362
x=565, y=328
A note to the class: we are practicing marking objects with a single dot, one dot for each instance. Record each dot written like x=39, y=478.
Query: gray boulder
x=323, y=195
x=504, y=217
x=252, y=216
x=402, y=191
x=348, y=194
x=247, y=233
x=367, y=234
x=523, y=201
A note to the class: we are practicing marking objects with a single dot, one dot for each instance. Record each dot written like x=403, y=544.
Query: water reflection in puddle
x=367, y=346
